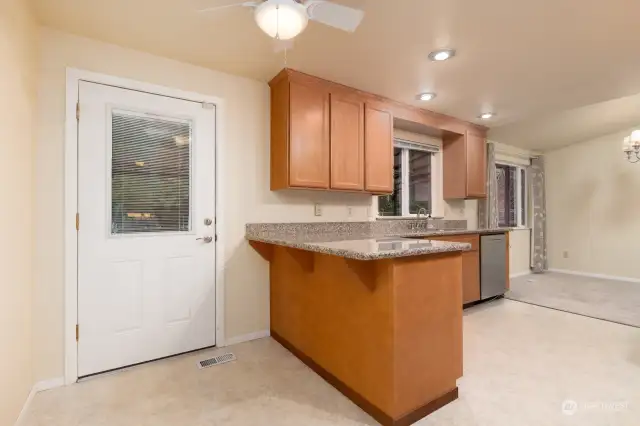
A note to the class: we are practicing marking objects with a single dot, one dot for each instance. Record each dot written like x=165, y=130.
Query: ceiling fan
x=285, y=19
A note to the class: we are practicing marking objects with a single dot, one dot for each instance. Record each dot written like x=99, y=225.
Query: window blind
x=150, y=174
x=416, y=146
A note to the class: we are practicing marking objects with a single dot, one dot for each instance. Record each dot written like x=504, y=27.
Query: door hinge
x=77, y=332
x=216, y=237
x=78, y=111
x=77, y=221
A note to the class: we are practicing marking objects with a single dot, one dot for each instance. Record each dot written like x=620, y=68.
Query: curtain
x=539, y=262
x=488, y=208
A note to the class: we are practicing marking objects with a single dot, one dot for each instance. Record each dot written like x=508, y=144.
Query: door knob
x=205, y=239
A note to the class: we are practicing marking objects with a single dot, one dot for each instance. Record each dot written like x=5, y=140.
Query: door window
x=150, y=174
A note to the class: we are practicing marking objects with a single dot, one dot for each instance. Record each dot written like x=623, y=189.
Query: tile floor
x=617, y=301
x=521, y=362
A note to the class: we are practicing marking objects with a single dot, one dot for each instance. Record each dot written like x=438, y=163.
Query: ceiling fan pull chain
x=278, y=22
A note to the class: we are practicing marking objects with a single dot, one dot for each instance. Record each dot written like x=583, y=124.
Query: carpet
x=615, y=301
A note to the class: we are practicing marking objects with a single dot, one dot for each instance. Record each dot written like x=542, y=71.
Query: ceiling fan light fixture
x=487, y=115
x=426, y=96
x=442, y=54
x=281, y=19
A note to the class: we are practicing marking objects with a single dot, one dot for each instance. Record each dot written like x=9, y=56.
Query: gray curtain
x=488, y=208
x=539, y=262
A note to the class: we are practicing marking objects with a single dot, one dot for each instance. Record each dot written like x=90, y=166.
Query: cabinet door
x=347, y=143
x=308, y=136
x=476, y=166
x=470, y=276
x=378, y=151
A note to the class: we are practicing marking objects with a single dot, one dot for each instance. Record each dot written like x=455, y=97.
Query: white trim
x=44, y=385
x=600, y=276
x=38, y=387
x=25, y=407
x=247, y=337
x=519, y=274
x=522, y=217
x=404, y=180
x=73, y=78
x=513, y=151
x=437, y=200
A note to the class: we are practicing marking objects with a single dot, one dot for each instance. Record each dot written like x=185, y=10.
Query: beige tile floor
x=521, y=363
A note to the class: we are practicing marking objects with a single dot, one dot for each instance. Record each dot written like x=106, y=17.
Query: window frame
x=522, y=216
x=436, y=182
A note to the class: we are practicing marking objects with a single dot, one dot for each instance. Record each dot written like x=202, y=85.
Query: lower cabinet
x=471, y=264
x=470, y=276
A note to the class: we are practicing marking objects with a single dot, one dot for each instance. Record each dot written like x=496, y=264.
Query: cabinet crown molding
x=400, y=111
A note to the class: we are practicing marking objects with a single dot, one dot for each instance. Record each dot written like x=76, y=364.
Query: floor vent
x=220, y=359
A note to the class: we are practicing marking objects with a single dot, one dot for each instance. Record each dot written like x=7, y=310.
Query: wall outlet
x=565, y=254
x=317, y=209
x=349, y=211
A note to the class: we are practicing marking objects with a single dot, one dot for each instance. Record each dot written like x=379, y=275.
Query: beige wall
x=519, y=252
x=247, y=197
x=18, y=40
x=593, y=208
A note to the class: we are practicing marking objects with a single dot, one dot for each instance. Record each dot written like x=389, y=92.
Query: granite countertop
x=437, y=232
x=366, y=240
x=372, y=248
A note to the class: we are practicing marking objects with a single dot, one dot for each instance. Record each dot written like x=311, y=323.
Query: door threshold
x=132, y=366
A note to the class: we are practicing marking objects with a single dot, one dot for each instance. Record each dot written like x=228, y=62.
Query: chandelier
x=631, y=146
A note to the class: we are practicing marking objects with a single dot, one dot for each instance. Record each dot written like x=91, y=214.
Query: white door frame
x=74, y=76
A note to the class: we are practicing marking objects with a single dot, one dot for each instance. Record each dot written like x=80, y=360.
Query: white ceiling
x=555, y=130
x=524, y=60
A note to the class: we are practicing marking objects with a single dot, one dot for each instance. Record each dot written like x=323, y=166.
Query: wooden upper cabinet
x=378, y=149
x=464, y=165
x=328, y=136
x=476, y=165
x=347, y=143
x=309, y=136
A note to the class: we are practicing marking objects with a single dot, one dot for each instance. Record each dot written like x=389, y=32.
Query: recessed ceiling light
x=426, y=96
x=442, y=54
x=487, y=115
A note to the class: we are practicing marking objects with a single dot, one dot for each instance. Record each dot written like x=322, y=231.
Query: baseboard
x=247, y=337
x=601, y=276
x=49, y=384
x=38, y=387
x=25, y=407
x=519, y=274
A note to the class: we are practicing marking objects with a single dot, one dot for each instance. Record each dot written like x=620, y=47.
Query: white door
x=146, y=251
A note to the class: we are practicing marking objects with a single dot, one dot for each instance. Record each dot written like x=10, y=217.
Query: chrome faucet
x=423, y=211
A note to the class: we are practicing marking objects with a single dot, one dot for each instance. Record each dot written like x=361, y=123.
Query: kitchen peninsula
x=377, y=315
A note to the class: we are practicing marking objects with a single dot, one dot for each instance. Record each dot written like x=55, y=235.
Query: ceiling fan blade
x=335, y=15
x=245, y=4
x=282, y=45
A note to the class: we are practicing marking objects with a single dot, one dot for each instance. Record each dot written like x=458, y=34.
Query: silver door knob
x=205, y=239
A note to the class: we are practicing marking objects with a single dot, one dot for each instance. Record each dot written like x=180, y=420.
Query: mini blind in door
x=150, y=173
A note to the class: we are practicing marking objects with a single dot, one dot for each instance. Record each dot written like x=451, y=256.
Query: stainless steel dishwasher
x=493, y=265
